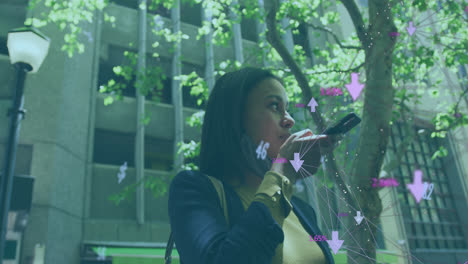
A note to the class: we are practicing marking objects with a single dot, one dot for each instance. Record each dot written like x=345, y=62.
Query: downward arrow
x=417, y=187
x=297, y=162
x=358, y=217
x=312, y=104
x=354, y=88
x=335, y=243
x=411, y=29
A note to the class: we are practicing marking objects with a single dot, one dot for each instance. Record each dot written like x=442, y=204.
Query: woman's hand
x=310, y=149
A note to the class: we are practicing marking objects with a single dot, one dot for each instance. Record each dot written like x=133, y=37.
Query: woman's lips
x=284, y=137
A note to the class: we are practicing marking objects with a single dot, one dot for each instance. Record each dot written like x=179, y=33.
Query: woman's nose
x=288, y=121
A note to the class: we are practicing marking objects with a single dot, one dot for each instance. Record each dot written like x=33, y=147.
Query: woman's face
x=266, y=117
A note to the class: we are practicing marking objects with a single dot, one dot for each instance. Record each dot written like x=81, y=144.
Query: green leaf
x=108, y=100
x=117, y=70
x=440, y=153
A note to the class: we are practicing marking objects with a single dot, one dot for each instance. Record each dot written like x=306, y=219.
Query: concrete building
x=74, y=146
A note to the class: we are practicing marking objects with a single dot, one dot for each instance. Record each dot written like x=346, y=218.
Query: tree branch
x=340, y=71
x=459, y=99
x=271, y=7
x=358, y=22
x=337, y=40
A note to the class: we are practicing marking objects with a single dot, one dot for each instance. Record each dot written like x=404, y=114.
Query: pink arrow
x=312, y=104
x=411, y=29
x=297, y=162
x=354, y=88
x=335, y=243
x=417, y=187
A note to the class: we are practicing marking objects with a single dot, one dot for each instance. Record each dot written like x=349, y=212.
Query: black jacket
x=203, y=237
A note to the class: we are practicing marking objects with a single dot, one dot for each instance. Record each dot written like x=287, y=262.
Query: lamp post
x=27, y=48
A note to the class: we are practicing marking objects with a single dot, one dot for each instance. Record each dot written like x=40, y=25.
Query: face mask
x=257, y=165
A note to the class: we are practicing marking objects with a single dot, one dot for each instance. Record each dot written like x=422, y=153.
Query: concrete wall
x=109, y=222
x=57, y=99
x=193, y=51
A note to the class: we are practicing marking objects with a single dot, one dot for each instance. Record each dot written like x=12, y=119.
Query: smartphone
x=344, y=125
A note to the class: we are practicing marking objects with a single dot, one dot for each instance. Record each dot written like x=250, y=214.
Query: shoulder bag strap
x=221, y=195
x=222, y=199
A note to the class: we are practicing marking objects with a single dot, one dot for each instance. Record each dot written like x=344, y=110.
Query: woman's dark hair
x=223, y=142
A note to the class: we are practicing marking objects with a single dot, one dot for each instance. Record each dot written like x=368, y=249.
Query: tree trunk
x=375, y=127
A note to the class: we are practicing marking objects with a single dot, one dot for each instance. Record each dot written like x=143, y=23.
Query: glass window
x=106, y=73
x=117, y=58
x=431, y=224
x=190, y=13
x=114, y=148
x=188, y=99
x=159, y=154
x=249, y=29
x=127, y=3
x=10, y=250
x=301, y=39
x=23, y=158
x=3, y=46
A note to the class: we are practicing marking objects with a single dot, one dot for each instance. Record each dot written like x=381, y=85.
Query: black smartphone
x=344, y=125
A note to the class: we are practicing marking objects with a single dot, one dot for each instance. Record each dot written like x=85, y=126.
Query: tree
x=379, y=94
x=388, y=65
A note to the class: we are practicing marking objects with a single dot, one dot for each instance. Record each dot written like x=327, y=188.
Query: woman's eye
x=275, y=106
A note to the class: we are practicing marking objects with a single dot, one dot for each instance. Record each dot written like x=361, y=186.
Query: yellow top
x=297, y=247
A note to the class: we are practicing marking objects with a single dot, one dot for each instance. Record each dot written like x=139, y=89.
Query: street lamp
x=27, y=48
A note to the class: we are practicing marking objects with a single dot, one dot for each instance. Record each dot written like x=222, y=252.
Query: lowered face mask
x=255, y=163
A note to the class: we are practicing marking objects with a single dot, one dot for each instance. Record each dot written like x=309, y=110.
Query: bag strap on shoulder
x=222, y=199
x=221, y=195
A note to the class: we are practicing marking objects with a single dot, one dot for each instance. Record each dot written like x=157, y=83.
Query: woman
x=247, y=109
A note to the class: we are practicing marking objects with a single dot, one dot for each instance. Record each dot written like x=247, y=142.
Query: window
x=166, y=93
x=190, y=13
x=23, y=158
x=106, y=73
x=159, y=153
x=126, y=3
x=301, y=39
x=10, y=250
x=116, y=58
x=434, y=223
x=3, y=46
x=115, y=148
x=189, y=100
x=249, y=29
x=159, y=10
